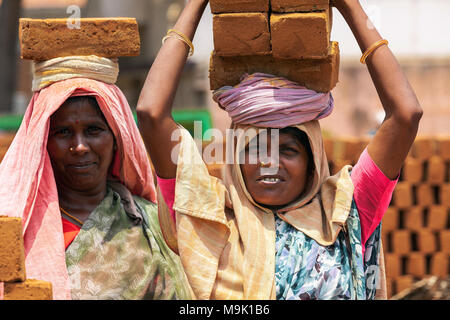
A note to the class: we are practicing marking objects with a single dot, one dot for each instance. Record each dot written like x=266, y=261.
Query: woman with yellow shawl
x=78, y=176
x=292, y=233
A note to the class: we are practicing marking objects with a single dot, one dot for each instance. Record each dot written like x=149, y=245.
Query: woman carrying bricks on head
x=296, y=233
x=78, y=175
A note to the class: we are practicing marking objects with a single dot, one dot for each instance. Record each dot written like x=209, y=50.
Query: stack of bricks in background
x=416, y=227
x=282, y=37
x=13, y=282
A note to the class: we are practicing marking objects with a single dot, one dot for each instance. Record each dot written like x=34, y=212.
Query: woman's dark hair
x=92, y=101
x=79, y=99
x=304, y=141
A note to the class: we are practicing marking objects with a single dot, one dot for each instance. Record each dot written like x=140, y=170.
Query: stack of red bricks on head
x=13, y=282
x=288, y=38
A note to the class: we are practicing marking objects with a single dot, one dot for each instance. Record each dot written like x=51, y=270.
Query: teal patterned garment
x=305, y=270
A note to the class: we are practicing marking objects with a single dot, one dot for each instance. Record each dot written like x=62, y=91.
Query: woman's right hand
x=154, y=108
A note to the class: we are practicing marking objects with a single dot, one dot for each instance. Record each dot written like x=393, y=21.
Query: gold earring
x=71, y=149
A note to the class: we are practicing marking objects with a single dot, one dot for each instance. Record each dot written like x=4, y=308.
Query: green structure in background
x=184, y=117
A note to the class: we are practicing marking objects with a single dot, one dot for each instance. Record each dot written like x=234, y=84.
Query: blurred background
x=418, y=31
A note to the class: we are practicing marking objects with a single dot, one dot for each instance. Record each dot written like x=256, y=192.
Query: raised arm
x=154, y=108
x=391, y=144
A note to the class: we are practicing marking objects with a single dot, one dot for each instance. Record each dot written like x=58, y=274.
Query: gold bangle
x=372, y=48
x=172, y=33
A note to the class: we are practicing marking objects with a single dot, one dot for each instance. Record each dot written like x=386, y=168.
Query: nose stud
x=264, y=164
x=71, y=149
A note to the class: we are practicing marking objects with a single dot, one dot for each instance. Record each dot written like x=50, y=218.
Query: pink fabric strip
x=2, y=290
x=373, y=194
x=167, y=187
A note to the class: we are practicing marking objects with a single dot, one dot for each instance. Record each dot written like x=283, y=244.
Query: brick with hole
x=425, y=195
x=440, y=264
x=403, y=196
x=437, y=218
x=241, y=34
x=444, y=238
x=426, y=241
x=390, y=219
x=320, y=75
x=413, y=170
x=236, y=6
x=401, y=241
x=12, y=256
x=300, y=35
x=299, y=5
x=416, y=264
x=444, y=194
x=436, y=170
x=423, y=147
x=28, y=290
x=414, y=219
x=393, y=265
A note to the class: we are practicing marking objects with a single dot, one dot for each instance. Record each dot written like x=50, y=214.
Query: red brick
x=28, y=290
x=45, y=39
x=300, y=35
x=425, y=195
x=444, y=194
x=241, y=34
x=437, y=218
x=403, y=283
x=401, y=241
x=12, y=256
x=413, y=170
x=413, y=219
x=230, y=6
x=403, y=196
x=444, y=238
x=440, y=264
x=299, y=5
x=390, y=220
x=416, y=265
x=443, y=146
x=423, y=148
x=319, y=75
x=426, y=241
x=436, y=170
x=393, y=265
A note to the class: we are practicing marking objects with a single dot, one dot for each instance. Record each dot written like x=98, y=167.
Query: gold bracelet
x=372, y=48
x=172, y=33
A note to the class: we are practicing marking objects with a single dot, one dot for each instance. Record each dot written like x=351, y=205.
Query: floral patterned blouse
x=305, y=270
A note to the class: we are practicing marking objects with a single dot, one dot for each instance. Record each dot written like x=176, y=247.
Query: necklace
x=70, y=216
